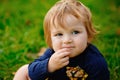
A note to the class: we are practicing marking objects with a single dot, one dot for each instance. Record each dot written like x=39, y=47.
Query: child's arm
x=38, y=69
x=48, y=63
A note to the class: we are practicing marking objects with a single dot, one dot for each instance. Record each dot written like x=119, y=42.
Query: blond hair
x=56, y=15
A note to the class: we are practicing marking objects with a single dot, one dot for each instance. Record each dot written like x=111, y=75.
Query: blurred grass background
x=21, y=32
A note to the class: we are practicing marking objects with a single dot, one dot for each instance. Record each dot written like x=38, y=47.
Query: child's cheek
x=56, y=43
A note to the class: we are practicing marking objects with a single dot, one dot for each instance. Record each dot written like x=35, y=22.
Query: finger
x=64, y=59
x=64, y=54
x=65, y=63
x=62, y=50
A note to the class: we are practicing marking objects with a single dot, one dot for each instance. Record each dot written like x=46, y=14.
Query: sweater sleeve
x=38, y=69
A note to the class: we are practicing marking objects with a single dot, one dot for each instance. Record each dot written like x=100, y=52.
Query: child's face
x=73, y=37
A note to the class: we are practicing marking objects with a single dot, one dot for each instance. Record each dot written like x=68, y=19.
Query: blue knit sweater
x=91, y=60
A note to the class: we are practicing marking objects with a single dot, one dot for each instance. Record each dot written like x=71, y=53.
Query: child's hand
x=58, y=60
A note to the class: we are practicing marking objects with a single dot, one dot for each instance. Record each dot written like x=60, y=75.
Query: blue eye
x=75, y=32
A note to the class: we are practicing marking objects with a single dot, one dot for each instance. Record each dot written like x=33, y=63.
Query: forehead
x=70, y=23
x=67, y=20
x=70, y=20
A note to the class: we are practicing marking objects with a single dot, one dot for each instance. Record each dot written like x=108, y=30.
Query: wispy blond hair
x=56, y=16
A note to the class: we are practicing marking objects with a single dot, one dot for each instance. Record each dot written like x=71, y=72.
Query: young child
x=71, y=56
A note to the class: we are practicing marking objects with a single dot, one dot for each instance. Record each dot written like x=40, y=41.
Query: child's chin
x=72, y=56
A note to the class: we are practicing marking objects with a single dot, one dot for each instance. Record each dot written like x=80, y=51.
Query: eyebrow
x=57, y=31
x=76, y=28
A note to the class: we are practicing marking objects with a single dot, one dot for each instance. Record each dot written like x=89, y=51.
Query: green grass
x=21, y=32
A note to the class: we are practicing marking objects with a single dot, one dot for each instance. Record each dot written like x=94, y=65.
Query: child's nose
x=67, y=40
